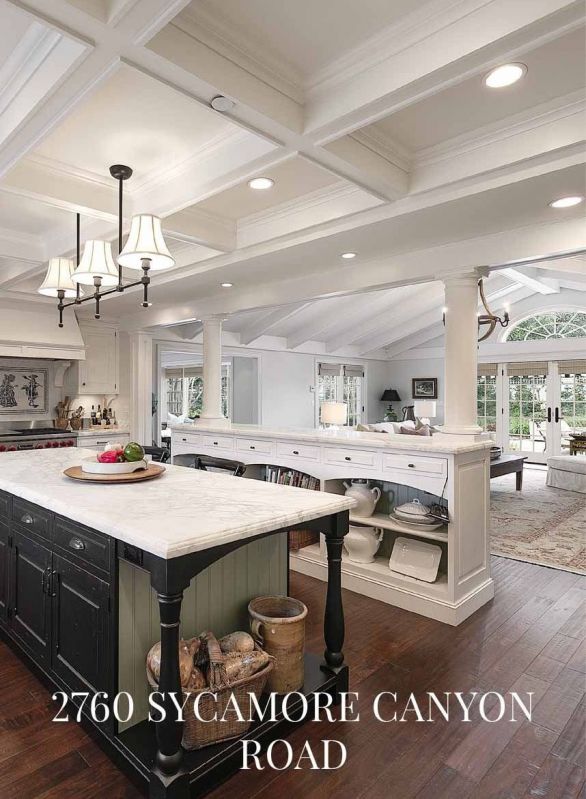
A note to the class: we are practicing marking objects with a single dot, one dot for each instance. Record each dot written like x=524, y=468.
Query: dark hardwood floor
x=530, y=638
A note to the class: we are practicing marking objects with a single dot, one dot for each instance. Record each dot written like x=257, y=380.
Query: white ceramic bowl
x=93, y=466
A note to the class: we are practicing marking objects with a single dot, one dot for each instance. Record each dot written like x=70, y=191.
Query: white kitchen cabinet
x=98, y=374
x=98, y=442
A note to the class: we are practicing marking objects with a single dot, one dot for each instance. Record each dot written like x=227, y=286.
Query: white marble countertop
x=183, y=511
x=100, y=431
x=438, y=443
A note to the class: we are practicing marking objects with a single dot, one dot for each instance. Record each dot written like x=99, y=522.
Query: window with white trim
x=339, y=382
x=184, y=387
x=554, y=324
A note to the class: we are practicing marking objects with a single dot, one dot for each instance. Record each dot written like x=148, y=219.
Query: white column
x=461, y=358
x=212, y=373
x=141, y=388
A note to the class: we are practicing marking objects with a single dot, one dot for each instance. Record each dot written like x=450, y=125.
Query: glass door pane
x=573, y=412
x=486, y=402
x=528, y=414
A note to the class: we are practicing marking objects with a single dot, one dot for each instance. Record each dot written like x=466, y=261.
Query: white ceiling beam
x=540, y=285
x=262, y=326
x=405, y=324
x=431, y=52
x=327, y=313
x=395, y=304
x=573, y=285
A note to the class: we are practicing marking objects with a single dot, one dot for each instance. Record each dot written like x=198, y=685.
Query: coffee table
x=509, y=464
x=577, y=443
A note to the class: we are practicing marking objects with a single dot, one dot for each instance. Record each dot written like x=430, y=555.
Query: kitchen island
x=450, y=471
x=64, y=548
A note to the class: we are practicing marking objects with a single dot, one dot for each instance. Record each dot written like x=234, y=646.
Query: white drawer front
x=187, y=438
x=300, y=451
x=259, y=445
x=218, y=442
x=357, y=457
x=415, y=463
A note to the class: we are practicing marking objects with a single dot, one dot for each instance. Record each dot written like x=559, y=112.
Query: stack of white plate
x=415, y=513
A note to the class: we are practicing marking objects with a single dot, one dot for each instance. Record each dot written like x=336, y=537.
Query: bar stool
x=159, y=454
x=209, y=464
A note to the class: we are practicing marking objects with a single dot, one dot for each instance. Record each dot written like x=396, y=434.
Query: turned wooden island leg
x=334, y=613
x=167, y=779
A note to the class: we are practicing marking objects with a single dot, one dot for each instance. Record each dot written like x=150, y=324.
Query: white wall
x=402, y=372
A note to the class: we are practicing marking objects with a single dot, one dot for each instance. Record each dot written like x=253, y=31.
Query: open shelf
x=386, y=523
x=379, y=571
x=211, y=765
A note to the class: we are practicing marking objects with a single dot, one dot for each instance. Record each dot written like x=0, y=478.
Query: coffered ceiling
x=372, y=119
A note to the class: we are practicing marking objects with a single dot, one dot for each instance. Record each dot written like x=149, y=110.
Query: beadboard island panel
x=216, y=600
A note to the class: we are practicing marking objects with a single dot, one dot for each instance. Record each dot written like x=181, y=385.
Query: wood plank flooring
x=530, y=638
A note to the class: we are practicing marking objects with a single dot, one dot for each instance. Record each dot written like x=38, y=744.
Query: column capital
x=466, y=277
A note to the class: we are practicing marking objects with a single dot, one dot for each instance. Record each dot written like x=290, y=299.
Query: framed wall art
x=424, y=387
x=23, y=390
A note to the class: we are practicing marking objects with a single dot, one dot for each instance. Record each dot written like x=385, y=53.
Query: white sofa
x=567, y=472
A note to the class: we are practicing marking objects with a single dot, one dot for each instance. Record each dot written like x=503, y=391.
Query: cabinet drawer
x=218, y=442
x=4, y=505
x=262, y=446
x=85, y=545
x=411, y=463
x=357, y=457
x=298, y=451
x=187, y=438
x=31, y=517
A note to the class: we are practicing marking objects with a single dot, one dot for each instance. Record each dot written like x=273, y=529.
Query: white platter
x=434, y=524
x=416, y=559
x=93, y=466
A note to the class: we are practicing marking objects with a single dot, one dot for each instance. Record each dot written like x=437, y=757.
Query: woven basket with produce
x=233, y=666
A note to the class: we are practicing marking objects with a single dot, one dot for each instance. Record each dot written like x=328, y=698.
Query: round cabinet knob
x=295, y=452
x=2, y=448
x=38, y=446
x=347, y=458
x=11, y=449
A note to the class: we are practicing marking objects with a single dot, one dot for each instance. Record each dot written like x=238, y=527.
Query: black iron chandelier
x=145, y=250
x=486, y=320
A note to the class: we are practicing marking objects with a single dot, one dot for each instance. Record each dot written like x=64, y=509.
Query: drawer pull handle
x=411, y=465
x=347, y=458
x=77, y=543
x=26, y=518
x=215, y=443
x=183, y=439
x=251, y=447
x=295, y=452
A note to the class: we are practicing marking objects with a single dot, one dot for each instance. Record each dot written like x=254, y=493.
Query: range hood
x=30, y=330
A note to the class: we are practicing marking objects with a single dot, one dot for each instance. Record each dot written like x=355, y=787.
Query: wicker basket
x=298, y=539
x=196, y=733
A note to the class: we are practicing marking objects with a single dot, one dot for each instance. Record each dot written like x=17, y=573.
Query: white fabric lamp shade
x=96, y=261
x=145, y=240
x=58, y=278
x=425, y=409
x=334, y=413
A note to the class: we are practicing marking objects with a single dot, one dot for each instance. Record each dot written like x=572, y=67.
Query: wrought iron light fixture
x=487, y=320
x=145, y=250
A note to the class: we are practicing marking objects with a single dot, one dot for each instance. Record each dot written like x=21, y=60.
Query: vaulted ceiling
x=371, y=118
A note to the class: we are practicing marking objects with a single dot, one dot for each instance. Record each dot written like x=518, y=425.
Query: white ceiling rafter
x=542, y=285
x=268, y=321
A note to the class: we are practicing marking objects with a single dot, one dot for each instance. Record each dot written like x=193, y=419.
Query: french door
x=534, y=408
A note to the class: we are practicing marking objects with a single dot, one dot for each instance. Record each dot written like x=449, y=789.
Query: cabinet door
x=4, y=556
x=81, y=623
x=30, y=618
x=98, y=374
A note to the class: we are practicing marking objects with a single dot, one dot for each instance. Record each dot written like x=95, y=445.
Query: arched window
x=556, y=324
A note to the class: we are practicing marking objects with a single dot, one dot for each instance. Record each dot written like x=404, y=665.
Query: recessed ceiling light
x=226, y=285
x=348, y=255
x=222, y=104
x=261, y=183
x=505, y=75
x=566, y=202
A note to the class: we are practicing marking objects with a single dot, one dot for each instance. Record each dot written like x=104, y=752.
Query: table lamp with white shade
x=425, y=409
x=333, y=414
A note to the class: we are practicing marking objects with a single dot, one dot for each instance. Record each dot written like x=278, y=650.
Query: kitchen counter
x=347, y=437
x=183, y=511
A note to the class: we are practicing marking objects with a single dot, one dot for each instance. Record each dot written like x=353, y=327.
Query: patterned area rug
x=538, y=524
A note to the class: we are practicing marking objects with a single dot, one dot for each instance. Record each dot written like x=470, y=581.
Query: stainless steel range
x=33, y=435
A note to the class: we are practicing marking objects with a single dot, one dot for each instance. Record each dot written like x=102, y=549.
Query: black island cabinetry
x=58, y=608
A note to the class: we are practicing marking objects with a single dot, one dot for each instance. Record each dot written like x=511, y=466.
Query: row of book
x=291, y=477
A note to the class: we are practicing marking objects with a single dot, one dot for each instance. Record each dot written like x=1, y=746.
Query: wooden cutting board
x=153, y=470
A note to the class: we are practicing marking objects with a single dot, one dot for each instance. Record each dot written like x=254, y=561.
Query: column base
x=213, y=421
